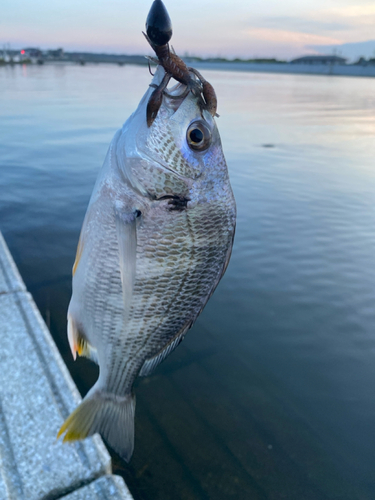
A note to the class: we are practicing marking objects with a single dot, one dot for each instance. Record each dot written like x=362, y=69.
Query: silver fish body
x=155, y=242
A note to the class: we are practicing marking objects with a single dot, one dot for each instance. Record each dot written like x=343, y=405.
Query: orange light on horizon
x=22, y=51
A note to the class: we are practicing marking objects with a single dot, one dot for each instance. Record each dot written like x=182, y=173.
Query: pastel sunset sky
x=231, y=28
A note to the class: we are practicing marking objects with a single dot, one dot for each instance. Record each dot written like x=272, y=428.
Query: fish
x=155, y=242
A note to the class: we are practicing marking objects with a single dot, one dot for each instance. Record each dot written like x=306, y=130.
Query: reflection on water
x=271, y=393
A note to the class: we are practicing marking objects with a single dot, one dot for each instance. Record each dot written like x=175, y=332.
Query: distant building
x=329, y=60
x=361, y=62
x=55, y=54
x=364, y=62
x=31, y=53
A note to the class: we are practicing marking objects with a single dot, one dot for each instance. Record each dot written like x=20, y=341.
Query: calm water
x=271, y=395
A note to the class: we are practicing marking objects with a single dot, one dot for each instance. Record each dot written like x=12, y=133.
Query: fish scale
x=156, y=240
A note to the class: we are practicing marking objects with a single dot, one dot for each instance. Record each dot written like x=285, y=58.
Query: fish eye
x=198, y=136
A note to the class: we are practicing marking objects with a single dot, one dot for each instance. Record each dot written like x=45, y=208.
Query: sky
x=225, y=28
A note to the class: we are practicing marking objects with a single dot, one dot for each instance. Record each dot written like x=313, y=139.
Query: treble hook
x=149, y=68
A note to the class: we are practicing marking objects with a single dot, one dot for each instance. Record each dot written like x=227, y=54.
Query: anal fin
x=150, y=364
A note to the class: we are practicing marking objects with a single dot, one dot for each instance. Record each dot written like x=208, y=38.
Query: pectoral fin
x=127, y=243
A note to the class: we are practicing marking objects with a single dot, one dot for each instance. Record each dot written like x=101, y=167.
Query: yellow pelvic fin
x=78, y=344
x=72, y=336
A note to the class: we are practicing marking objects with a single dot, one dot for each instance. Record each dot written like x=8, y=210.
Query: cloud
x=285, y=36
x=354, y=11
x=303, y=24
x=346, y=23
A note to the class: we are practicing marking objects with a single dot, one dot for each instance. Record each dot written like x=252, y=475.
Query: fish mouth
x=176, y=95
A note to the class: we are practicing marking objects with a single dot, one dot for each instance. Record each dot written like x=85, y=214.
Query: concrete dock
x=37, y=393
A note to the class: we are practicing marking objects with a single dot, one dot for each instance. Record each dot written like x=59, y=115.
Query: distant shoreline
x=289, y=68
x=258, y=67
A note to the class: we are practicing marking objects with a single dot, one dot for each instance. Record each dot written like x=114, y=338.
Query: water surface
x=271, y=394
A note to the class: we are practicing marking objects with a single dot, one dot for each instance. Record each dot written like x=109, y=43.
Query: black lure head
x=159, y=32
x=158, y=24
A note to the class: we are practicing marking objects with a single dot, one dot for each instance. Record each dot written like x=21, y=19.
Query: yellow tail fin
x=110, y=415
